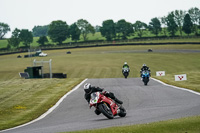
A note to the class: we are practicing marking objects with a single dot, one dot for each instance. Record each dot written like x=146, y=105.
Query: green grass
x=183, y=125
x=3, y=43
x=24, y=100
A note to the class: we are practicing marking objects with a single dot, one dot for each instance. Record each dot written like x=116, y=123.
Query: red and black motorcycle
x=106, y=105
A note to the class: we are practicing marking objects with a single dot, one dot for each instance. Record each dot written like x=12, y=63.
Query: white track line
x=49, y=111
x=184, y=89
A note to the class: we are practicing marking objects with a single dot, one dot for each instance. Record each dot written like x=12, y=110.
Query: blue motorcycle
x=145, y=76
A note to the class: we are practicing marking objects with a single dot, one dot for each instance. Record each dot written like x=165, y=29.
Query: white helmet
x=87, y=86
x=125, y=63
x=144, y=65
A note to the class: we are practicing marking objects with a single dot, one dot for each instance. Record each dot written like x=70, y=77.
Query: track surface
x=144, y=104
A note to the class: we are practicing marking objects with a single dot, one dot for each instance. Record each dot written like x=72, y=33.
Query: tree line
x=58, y=31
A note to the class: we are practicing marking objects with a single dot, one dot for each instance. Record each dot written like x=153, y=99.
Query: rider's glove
x=105, y=92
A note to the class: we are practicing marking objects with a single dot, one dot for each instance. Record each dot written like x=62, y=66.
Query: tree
x=4, y=28
x=139, y=27
x=155, y=26
x=85, y=28
x=74, y=32
x=124, y=29
x=171, y=24
x=39, y=31
x=187, y=24
x=97, y=28
x=108, y=29
x=178, y=17
x=195, y=17
x=164, y=22
x=42, y=40
x=91, y=29
x=58, y=31
x=26, y=37
x=14, y=40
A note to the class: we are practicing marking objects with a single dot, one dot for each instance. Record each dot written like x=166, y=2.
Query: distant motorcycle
x=125, y=72
x=106, y=105
x=145, y=76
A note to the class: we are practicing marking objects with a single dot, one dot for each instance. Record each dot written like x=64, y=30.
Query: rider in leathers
x=125, y=66
x=144, y=68
x=90, y=89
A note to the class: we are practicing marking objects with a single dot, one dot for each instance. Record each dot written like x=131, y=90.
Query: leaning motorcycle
x=125, y=72
x=106, y=106
x=145, y=76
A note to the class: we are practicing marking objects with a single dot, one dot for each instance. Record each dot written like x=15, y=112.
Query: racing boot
x=118, y=101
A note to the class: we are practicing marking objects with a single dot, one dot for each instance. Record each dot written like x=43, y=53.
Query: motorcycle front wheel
x=145, y=80
x=125, y=75
x=105, y=109
x=122, y=112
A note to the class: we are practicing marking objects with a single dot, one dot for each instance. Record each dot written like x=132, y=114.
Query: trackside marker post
x=180, y=77
x=160, y=73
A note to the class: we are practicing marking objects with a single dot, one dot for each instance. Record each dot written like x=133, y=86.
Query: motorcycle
x=106, y=106
x=125, y=72
x=145, y=76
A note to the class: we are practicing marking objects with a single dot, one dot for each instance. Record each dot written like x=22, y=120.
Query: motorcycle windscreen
x=94, y=98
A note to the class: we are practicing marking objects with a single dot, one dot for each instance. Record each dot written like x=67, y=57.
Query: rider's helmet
x=125, y=63
x=144, y=65
x=87, y=87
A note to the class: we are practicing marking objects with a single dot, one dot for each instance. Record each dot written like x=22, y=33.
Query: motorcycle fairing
x=97, y=97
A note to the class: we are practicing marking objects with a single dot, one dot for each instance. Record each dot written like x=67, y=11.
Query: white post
x=50, y=68
x=34, y=61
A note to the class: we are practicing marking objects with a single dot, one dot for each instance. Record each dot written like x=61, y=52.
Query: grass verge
x=24, y=100
x=183, y=125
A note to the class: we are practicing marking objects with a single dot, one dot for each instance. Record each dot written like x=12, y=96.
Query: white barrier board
x=160, y=73
x=180, y=77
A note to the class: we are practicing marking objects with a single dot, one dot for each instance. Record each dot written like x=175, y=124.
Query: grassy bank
x=23, y=100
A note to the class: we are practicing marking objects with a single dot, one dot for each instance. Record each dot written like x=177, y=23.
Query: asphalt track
x=144, y=104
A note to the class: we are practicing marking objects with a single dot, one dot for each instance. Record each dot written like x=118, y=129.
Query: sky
x=25, y=14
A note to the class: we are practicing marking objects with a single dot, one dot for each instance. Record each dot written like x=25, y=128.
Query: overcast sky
x=25, y=14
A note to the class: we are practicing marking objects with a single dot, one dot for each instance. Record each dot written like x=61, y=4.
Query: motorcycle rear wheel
x=105, y=109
